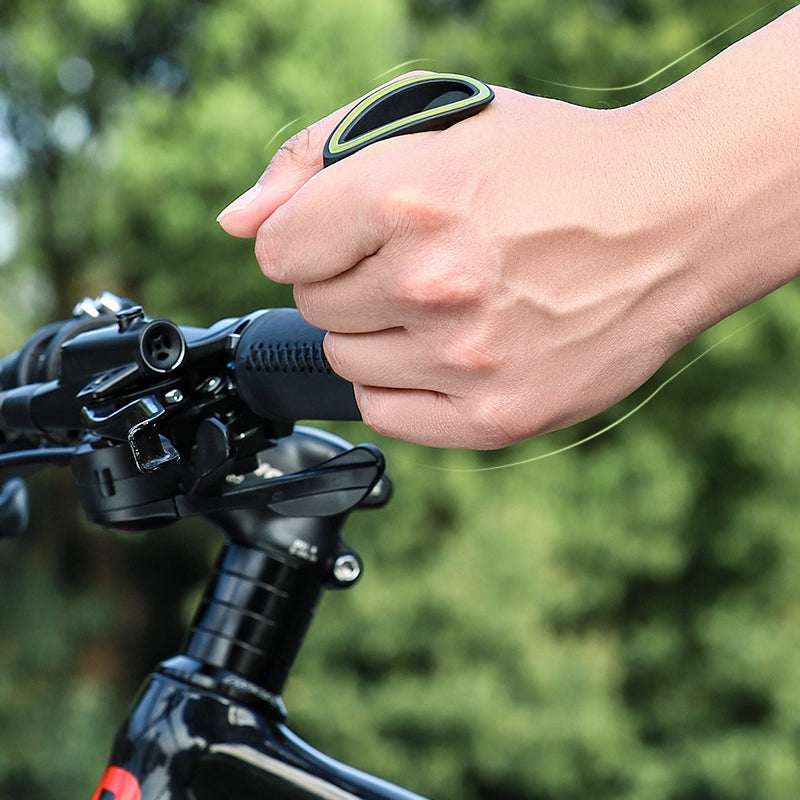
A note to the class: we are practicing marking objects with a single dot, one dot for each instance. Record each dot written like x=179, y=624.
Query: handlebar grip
x=282, y=373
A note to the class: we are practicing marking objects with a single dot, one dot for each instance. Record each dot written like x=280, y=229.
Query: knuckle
x=468, y=353
x=268, y=254
x=437, y=277
x=304, y=301
x=440, y=283
x=301, y=150
x=498, y=423
x=410, y=208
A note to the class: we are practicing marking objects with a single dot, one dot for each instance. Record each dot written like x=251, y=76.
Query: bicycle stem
x=256, y=611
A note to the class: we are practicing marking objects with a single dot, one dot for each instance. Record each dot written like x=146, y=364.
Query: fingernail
x=241, y=202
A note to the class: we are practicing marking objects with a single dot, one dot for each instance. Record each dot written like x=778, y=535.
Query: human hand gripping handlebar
x=113, y=376
x=413, y=104
x=145, y=395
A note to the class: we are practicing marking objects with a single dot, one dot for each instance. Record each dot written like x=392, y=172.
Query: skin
x=532, y=265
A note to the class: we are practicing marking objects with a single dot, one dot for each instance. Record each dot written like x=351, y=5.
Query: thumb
x=296, y=162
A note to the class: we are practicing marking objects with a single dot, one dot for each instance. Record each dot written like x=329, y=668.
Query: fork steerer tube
x=255, y=614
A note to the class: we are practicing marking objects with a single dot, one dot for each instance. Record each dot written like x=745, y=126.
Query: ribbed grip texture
x=303, y=358
x=282, y=373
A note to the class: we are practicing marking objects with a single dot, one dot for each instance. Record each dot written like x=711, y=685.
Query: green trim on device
x=427, y=102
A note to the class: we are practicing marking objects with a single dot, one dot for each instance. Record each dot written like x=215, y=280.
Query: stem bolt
x=174, y=396
x=346, y=569
x=211, y=384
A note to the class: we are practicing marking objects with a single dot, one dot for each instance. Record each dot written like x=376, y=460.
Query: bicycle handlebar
x=153, y=417
x=274, y=359
x=121, y=377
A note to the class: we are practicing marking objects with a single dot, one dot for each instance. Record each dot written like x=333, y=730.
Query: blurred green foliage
x=619, y=621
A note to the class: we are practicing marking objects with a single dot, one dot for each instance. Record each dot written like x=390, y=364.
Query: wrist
x=724, y=155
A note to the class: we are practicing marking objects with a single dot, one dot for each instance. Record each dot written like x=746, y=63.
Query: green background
x=618, y=621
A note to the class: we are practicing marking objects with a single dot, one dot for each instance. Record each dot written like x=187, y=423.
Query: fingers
x=402, y=359
x=413, y=415
x=390, y=358
x=296, y=162
x=348, y=213
x=360, y=300
x=312, y=224
x=330, y=224
x=428, y=418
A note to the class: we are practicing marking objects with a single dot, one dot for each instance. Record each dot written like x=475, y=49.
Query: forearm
x=725, y=146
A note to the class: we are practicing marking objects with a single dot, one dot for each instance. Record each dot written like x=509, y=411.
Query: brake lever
x=135, y=423
x=331, y=487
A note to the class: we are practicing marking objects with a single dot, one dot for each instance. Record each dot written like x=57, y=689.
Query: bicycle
x=159, y=422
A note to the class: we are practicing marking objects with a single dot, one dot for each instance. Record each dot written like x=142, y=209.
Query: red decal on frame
x=117, y=784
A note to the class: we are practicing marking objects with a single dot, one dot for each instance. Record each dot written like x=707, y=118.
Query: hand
x=529, y=266
x=482, y=284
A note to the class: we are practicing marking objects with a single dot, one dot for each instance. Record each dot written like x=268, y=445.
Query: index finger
x=295, y=163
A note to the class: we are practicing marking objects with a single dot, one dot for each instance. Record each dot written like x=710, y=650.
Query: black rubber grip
x=282, y=373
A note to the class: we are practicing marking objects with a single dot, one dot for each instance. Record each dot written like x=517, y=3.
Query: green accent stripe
x=335, y=146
